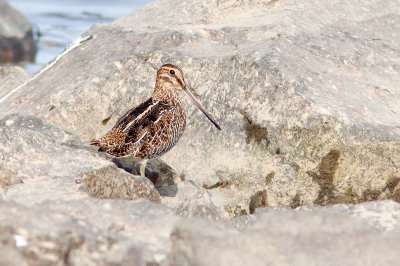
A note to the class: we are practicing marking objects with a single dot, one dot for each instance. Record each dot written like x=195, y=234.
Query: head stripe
x=166, y=68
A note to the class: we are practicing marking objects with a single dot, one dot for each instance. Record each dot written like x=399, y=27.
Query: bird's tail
x=95, y=142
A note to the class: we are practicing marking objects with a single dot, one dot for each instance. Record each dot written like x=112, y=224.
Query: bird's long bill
x=196, y=102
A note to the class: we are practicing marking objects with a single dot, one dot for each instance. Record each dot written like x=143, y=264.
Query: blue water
x=58, y=22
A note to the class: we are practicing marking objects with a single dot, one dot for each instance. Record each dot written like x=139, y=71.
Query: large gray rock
x=84, y=232
x=277, y=236
x=49, y=214
x=306, y=94
x=16, y=38
x=39, y=157
x=300, y=125
x=114, y=232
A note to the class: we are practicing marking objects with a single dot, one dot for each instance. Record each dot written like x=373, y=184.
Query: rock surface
x=41, y=157
x=279, y=236
x=115, y=232
x=306, y=93
x=16, y=38
x=84, y=232
x=10, y=78
x=307, y=106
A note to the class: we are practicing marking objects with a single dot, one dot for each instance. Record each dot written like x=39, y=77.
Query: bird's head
x=169, y=79
x=173, y=75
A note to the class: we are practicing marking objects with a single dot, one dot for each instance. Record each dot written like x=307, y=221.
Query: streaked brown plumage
x=155, y=126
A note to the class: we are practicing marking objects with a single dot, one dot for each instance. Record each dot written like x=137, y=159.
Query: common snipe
x=155, y=126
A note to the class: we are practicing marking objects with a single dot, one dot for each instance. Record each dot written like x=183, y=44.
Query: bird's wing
x=135, y=127
x=163, y=134
x=127, y=149
x=135, y=113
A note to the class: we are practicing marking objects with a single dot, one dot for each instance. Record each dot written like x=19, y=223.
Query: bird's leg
x=143, y=168
x=140, y=168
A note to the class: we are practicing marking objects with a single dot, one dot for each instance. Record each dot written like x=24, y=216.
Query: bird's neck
x=165, y=91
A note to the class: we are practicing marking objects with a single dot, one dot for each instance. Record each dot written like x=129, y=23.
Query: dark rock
x=258, y=200
x=16, y=37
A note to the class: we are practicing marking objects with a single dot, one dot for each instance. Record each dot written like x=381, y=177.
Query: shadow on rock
x=158, y=172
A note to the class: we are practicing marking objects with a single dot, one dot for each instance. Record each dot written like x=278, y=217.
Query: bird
x=152, y=128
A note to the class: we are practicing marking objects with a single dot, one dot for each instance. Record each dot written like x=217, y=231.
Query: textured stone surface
x=11, y=77
x=380, y=214
x=93, y=232
x=16, y=38
x=142, y=225
x=84, y=232
x=305, y=92
x=192, y=201
x=277, y=236
x=113, y=183
x=40, y=157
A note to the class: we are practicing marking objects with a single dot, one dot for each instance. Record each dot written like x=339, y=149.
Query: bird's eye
x=172, y=72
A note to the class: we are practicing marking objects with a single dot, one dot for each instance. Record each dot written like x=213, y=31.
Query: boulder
x=306, y=94
x=56, y=202
x=84, y=232
x=36, y=157
x=92, y=231
x=279, y=236
x=16, y=37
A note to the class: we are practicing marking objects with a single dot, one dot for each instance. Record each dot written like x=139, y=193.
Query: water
x=56, y=23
